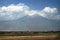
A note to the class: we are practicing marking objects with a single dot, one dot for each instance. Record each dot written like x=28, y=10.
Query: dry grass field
x=48, y=37
x=29, y=35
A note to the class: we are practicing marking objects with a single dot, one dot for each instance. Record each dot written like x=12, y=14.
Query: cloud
x=13, y=12
x=50, y=10
x=50, y=13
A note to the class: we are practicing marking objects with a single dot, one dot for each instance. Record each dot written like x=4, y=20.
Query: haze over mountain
x=27, y=23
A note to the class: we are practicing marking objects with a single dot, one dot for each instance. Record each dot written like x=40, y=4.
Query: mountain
x=30, y=23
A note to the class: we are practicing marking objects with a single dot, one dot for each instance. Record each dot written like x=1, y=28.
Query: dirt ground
x=49, y=37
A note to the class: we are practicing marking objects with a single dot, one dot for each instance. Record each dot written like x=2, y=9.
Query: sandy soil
x=50, y=37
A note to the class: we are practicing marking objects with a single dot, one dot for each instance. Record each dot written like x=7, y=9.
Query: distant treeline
x=19, y=33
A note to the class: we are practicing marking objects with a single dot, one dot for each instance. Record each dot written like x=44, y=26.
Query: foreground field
x=49, y=37
x=13, y=35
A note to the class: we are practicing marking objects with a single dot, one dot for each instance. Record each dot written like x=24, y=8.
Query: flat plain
x=29, y=35
x=49, y=37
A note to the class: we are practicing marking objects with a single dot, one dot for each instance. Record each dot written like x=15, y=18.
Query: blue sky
x=33, y=4
x=44, y=14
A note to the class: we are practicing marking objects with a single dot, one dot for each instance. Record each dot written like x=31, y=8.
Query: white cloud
x=32, y=12
x=13, y=12
x=50, y=10
x=50, y=13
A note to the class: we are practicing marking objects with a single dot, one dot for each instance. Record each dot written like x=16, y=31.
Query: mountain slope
x=34, y=23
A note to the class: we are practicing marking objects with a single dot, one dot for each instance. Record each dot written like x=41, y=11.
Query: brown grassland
x=37, y=36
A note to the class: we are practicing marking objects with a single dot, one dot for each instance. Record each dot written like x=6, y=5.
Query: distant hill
x=27, y=23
